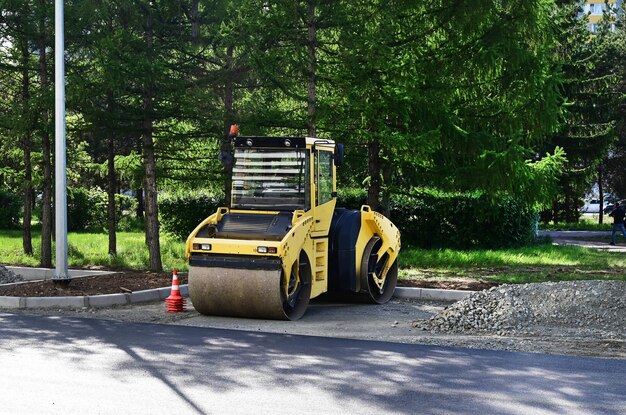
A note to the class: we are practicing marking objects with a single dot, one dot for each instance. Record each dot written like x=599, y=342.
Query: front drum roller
x=378, y=288
x=252, y=293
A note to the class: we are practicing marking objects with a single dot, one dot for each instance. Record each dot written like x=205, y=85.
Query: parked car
x=591, y=206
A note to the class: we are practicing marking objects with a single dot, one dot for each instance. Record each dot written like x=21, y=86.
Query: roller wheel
x=377, y=287
x=296, y=288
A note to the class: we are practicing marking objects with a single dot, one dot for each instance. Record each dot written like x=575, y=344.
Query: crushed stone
x=7, y=277
x=594, y=308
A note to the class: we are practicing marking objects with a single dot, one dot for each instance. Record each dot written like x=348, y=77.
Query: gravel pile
x=509, y=309
x=7, y=276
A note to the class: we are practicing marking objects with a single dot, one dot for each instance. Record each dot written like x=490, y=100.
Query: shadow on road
x=396, y=378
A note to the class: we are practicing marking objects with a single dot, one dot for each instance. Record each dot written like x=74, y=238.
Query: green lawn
x=542, y=262
x=85, y=249
x=585, y=224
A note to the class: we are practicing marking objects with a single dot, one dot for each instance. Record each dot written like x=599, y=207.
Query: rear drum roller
x=377, y=288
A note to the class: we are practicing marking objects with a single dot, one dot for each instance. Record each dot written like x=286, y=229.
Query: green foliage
x=87, y=208
x=455, y=95
x=435, y=219
x=131, y=223
x=351, y=198
x=79, y=204
x=615, y=52
x=10, y=205
x=462, y=220
x=179, y=214
x=589, y=82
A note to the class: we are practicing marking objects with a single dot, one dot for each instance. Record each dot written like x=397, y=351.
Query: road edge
x=110, y=300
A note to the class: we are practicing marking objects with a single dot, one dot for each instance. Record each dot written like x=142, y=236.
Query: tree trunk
x=195, y=23
x=569, y=211
x=373, y=190
x=311, y=69
x=139, y=212
x=226, y=148
x=46, y=211
x=149, y=161
x=601, y=191
x=139, y=197
x=555, y=212
x=111, y=191
x=27, y=239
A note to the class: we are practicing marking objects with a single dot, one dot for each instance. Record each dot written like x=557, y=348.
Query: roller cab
x=283, y=242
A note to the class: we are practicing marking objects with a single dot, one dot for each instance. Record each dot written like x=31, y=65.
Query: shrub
x=87, y=209
x=78, y=208
x=435, y=220
x=130, y=223
x=351, y=198
x=10, y=207
x=180, y=214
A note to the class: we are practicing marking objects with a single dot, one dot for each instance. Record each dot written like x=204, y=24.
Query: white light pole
x=60, y=197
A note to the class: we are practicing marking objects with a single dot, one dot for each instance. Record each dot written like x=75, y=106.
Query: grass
x=543, y=262
x=536, y=263
x=581, y=226
x=588, y=222
x=91, y=249
x=537, y=255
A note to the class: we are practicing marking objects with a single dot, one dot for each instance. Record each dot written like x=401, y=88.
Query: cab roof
x=280, y=142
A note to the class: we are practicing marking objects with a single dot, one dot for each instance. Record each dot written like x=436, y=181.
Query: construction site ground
x=393, y=322
x=599, y=329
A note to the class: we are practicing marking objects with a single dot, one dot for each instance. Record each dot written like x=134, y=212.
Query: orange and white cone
x=175, y=303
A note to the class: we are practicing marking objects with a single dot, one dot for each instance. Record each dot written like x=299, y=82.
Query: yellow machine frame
x=309, y=232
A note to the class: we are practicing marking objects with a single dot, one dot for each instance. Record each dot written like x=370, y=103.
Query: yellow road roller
x=283, y=241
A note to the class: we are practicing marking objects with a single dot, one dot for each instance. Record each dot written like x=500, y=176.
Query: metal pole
x=60, y=197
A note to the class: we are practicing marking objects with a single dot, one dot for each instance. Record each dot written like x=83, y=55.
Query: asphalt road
x=587, y=239
x=54, y=365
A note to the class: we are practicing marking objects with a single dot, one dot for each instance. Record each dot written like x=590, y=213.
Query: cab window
x=324, y=175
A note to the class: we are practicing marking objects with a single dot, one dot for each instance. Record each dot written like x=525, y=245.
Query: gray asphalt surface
x=587, y=239
x=66, y=365
x=575, y=234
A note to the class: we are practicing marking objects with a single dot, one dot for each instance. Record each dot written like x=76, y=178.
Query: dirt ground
x=127, y=281
x=395, y=321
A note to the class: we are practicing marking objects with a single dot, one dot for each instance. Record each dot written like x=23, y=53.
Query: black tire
x=371, y=266
x=296, y=291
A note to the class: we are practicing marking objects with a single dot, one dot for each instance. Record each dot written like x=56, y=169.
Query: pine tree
x=587, y=130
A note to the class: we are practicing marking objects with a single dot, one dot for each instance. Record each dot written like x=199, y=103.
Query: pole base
x=62, y=283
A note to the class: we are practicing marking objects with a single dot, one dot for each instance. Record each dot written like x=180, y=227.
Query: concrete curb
x=34, y=274
x=431, y=294
x=90, y=301
x=109, y=300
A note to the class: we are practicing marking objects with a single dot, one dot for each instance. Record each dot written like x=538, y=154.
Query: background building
x=595, y=11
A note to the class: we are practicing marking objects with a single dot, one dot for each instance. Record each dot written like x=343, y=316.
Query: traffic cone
x=175, y=303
